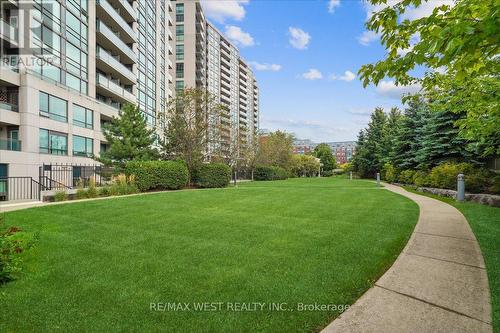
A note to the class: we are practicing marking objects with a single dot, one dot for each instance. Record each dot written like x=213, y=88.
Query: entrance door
x=4, y=173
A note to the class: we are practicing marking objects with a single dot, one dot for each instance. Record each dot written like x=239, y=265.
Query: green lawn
x=485, y=222
x=99, y=264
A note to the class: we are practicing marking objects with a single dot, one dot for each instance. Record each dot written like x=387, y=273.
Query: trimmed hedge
x=270, y=173
x=212, y=175
x=158, y=175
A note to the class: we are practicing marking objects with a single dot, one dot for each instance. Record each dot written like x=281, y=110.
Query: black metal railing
x=19, y=188
x=69, y=176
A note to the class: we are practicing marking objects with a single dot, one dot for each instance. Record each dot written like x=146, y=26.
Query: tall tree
x=408, y=138
x=324, y=152
x=129, y=138
x=191, y=127
x=369, y=153
x=276, y=149
x=391, y=128
x=440, y=140
x=464, y=41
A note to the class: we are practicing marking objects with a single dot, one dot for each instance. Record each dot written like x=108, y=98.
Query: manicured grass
x=99, y=264
x=485, y=223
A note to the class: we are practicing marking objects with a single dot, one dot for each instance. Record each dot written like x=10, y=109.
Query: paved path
x=437, y=284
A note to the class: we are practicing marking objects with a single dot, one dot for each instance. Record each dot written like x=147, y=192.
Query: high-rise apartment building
x=67, y=66
x=204, y=58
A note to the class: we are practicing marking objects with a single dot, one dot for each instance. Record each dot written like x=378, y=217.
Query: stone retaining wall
x=482, y=198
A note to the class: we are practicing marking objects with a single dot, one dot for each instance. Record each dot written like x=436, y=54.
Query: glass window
x=53, y=142
x=179, y=70
x=53, y=107
x=179, y=85
x=82, y=146
x=83, y=117
x=179, y=52
x=179, y=32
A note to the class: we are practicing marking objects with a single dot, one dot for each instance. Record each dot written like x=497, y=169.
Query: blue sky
x=306, y=58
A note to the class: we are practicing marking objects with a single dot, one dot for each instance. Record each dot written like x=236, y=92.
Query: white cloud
x=312, y=74
x=315, y=130
x=220, y=10
x=332, y=4
x=348, y=76
x=238, y=36
x=367, y=37
x=391, y=90
x=299, y=39
x=265, y=66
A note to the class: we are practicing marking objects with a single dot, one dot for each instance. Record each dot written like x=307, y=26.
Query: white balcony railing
x=115, y=40
x=115, y=88
x=115, y=64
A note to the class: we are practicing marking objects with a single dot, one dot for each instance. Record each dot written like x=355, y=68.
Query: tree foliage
x=304, y=165
x=276, y=150
x=129, y=138
x=191, y=127
x=461, y=40
x=324, y=152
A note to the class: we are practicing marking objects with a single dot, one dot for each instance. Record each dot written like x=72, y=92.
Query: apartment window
x=179, y=32
x=179, y=52
x=179, y=12
x=82, y=146
x=179, y=85
x=53, y=107
x=179, y=70
x=54, y=143
x=83, y=117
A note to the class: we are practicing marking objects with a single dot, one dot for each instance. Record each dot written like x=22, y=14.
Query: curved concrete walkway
x=437, y=284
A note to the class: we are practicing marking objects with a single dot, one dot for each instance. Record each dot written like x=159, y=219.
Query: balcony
x=111, y=89
x=125, y=9
x=111, y=41
x=8, y=32
x=8, y=144
x=9, y=106
x=109, y=64
x=109, y=14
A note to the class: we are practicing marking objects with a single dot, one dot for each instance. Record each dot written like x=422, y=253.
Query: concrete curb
x=437, y=284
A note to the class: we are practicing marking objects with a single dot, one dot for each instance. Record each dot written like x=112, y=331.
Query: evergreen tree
x=409, y=135
x=369, y=153
x=389, y=138
x=440, y=140
x=129, y=138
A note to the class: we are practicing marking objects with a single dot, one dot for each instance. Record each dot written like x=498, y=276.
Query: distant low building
x=303, y=146
x=343, y=151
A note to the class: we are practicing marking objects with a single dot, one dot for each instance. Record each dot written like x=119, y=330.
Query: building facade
x=343, y=151
x=205, y=59
x=67, y=68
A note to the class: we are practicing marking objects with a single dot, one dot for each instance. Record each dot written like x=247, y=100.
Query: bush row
x=212, y=175
x=270, y=173
x=158, y=175
x=477, y=180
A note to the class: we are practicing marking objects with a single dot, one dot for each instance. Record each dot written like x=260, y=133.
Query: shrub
x=92, y=189
x=406, y=176
x=327, y=173
x=270, y=173
x=212, y=175
x=60, y=196
x=421, y=178
x=158, y=175
x=479, y=181
x=495, y=185
x=81, y=193
x=389, y=173
x=104, y=191
x=445, y=175
x=121, y=185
